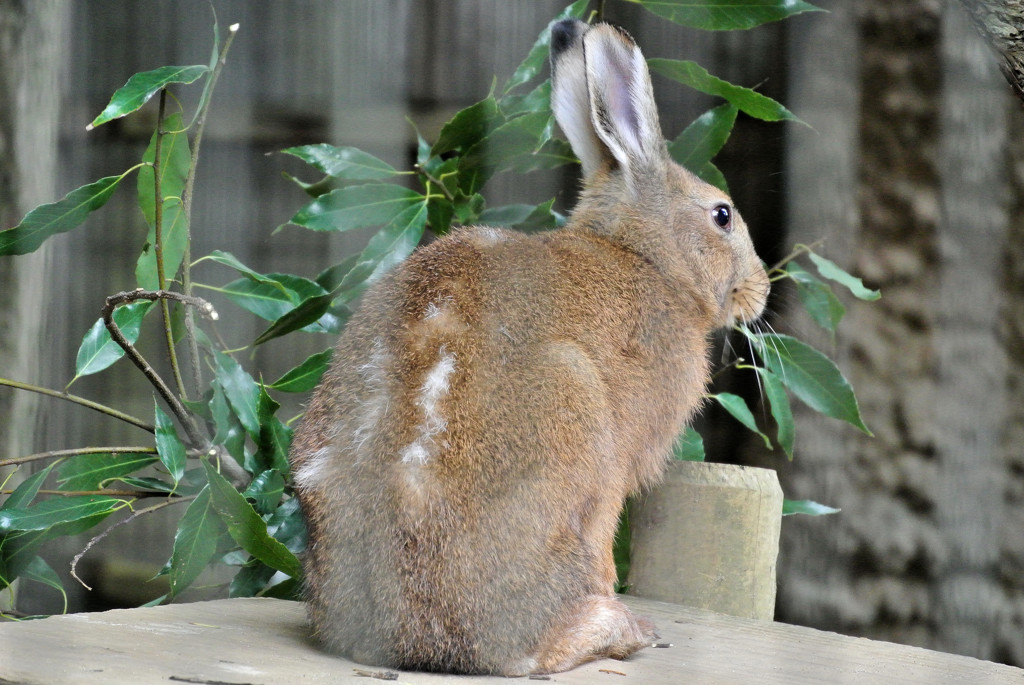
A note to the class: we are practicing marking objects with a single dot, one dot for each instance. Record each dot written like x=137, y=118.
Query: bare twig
x=80, y=401
x=426, y=174
x=137, y=514
x=186, y=208
x=58, y=454
x=173, y=402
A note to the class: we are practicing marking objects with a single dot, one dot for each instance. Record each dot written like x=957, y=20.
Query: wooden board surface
x=265, y=642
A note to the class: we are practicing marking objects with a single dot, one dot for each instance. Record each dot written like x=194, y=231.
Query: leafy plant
x=219, y=448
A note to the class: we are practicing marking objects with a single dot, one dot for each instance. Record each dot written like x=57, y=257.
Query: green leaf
x=816, y=297
x=92, y=471
x=247, y=528
x=195, y=541
x=810, y=375
x=141, y=87
x=537, y=58
x=710, y=174
x=387, y=247
x=316, y=188
x=169, y=446
x=27, y=490
x=537, y=100
x=58, y=217
x=302, y=316
x=833, y=272
x=523, y=217
x=98, y=350
x=229, y=430
x=266, y=490
x=552, y=154
x=519, y=136
x=306, y=375
x=331, y=277
x=17, y=553
x=277, y=295
x=288, y=589
x=737, y=407
x=251, y=579
x=354, y=207
x=781, y=410
x=468, y=127
x=349, y=163
x=229, y=260
x=506, y=215
x=275, y=437
x=806, y=506
x=41, y=572
x=439, y=214
x=689, y=446
x=468, y=208
x=266, y=300
x=175, y=162
x=725, y=15
x=749, y=101
x=288, y=525
x=60, y=515
x=697, y=145
x=174, y=236
x=241, y=391
x=154, y=484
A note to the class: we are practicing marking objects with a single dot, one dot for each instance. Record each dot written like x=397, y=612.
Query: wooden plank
x=265, y=641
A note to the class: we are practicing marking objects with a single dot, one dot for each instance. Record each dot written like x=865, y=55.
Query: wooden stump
x=708, y=537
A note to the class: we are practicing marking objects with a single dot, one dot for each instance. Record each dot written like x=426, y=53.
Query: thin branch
x=137, y=514
x=58, y=454
x=798, y=249
x=136, y=494
x=103, y=409
x=161, y=387
x=158, y=200
x=186, y=208
x=426, y=174
x=158, y=243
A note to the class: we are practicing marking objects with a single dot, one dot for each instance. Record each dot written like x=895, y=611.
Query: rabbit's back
x=489, y=406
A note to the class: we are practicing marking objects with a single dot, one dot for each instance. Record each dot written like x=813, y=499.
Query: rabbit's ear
x=570, y=98
x=622, y=107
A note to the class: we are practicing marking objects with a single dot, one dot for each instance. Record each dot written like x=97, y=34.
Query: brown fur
x=496, y=398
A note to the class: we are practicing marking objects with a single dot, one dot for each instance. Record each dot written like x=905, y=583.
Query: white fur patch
x=377, y=399
x=432, y=312
x=360, y=426
x=434, y=388
x=489, y=236
x=311, y=472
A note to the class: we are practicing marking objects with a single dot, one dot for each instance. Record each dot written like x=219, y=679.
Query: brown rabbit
x=497, y=396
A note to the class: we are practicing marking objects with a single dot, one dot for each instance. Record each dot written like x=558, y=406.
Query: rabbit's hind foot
x=603, y=628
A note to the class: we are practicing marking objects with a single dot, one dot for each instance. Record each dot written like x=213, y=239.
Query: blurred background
x=910, y=173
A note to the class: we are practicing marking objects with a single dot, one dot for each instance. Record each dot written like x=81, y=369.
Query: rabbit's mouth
x=746, y=301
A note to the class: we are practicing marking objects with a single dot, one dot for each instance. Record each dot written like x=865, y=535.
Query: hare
x=497, y=396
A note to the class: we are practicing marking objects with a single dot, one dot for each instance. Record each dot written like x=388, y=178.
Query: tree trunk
x=1001, y=22
x=910, y=185
x=971, y=365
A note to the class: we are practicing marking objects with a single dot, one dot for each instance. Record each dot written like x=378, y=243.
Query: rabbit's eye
x=722, y=216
